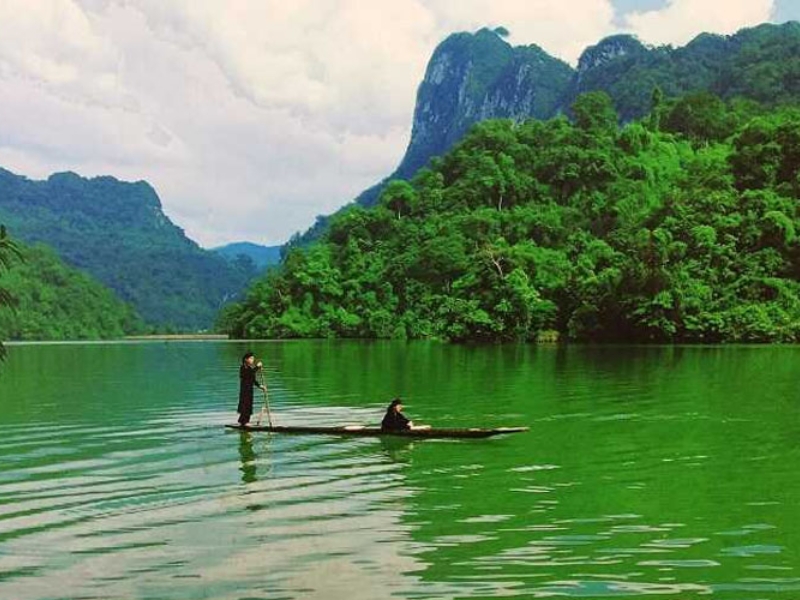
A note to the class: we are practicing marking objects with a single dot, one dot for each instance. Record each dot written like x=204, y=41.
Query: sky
x=252, y=117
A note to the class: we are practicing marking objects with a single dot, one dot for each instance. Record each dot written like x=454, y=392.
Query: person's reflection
x=248, y=457
x=398, y=449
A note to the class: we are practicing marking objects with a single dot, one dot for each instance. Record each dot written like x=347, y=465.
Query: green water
x=669, y=472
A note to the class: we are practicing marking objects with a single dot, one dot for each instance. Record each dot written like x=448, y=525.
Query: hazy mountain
x=261, y=256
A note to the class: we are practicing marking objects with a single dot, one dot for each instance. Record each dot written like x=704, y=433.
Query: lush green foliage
x=117, y=232
x=52, y=301
x=759, y=63
x=472, y=77
x=686, y=232
x=8, y=252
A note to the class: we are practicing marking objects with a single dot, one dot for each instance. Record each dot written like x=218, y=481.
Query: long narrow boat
x=357, y=430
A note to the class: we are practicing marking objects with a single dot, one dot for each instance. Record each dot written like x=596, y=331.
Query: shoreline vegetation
x=188, y=337
x=680, y=227
x=545, y=343
x=179, y=337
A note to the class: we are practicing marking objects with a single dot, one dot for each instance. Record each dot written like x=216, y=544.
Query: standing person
x=394, y=419
x=247, y=381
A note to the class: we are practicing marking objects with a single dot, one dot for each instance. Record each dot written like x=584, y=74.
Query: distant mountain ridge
x=472, y=77
x=117, y=232
x=262, y=256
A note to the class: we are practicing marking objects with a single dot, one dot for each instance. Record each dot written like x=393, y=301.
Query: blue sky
x=624, y=6
x=252, y=117
x=786, y=10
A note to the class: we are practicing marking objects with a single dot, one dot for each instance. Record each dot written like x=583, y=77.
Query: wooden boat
x=363, y=430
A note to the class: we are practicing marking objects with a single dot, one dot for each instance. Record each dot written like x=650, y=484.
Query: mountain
x=117, y=232
x=53, y=301
x=471, y=78
x=474, y=77
x=760, y=63
x=261, y=256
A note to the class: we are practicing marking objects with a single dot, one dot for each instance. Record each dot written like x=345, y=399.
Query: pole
x=266, y=404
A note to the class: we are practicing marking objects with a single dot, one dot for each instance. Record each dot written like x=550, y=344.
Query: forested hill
x=474, y=77
x=53, y=301
x=117, y=232
x=680, y=227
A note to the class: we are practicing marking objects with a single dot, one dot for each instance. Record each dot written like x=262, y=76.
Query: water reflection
x=648, y=471
x=247, y=456
x=398, y=449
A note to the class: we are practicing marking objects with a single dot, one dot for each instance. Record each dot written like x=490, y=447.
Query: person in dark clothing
x=247, y=381
x=394, y=419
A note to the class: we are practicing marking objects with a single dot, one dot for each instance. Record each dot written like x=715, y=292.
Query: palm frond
x=7, y=300
x=9, y=251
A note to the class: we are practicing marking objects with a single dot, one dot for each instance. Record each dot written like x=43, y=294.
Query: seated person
x=395, y=420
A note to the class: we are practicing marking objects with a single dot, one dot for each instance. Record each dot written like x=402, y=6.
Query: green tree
x=8, y=252
x=656, y=101
x=594, y=112
x=399, y=197
x=702, y=117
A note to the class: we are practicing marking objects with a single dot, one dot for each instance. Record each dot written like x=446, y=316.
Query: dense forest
x=472, y=77
x=49, y=300
x=118, y=233
x=681, y=226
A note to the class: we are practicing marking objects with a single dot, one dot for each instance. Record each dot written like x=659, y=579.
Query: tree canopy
x=53, y=301
x=677, y=228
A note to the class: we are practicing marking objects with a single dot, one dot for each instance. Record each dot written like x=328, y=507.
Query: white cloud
x=252, y=117
x=563, y=28
x=682, y=20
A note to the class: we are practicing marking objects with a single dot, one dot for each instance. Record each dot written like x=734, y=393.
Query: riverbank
x=177, y=337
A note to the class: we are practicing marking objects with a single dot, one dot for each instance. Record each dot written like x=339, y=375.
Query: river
x=647, y=471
